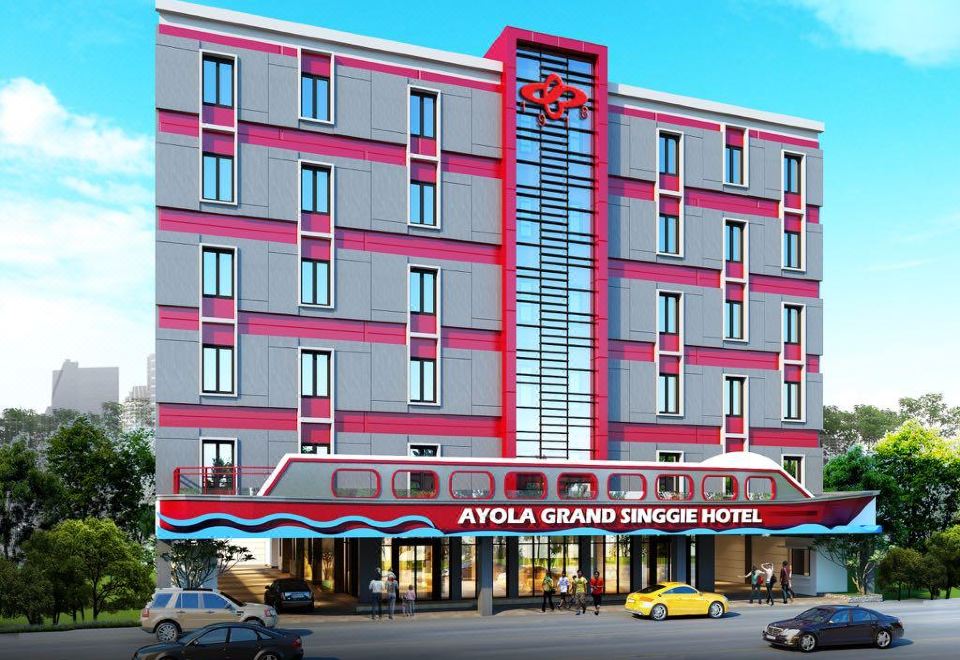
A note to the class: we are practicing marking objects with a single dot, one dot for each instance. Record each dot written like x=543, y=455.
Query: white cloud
x=922, y=32
x=35, y=126
x=76, y=258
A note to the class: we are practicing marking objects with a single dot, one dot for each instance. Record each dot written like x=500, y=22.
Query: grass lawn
x=118, y=619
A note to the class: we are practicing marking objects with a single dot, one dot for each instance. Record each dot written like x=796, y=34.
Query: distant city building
x=152, y=378
x=84, y=389
x=139, y=409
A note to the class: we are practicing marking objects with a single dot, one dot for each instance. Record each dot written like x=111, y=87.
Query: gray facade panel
x=177, y=78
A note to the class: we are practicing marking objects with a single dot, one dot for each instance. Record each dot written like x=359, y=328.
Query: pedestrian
x=793, y=595
x=563, y=586
x=756, y=582
x=376, y=596
x=596, y=590
x=547, y=586
x=786, y=586
x=391, y=591
x=769, y=580
x=410, y=602
x=580, y=593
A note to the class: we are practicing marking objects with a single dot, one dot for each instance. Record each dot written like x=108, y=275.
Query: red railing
x=219, y=480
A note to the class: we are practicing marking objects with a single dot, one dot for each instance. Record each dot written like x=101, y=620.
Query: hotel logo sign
x=555, y=97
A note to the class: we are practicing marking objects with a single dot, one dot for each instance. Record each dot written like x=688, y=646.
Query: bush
x=932, y=575
x=900, y=570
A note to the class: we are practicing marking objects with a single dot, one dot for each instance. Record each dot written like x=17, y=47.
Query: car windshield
x=815, y=615
x=652, y=588
x=231, y=599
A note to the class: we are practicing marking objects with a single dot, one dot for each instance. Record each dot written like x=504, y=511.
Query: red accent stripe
x=639, y=351
x=813, y=214
x=235, y=226
x=414, y=424
x=178, y=123
x=731, y=357
x=785, y=139
x=471, y=339
x=767, y=437
x=408, y=72
x=417, y=246
x=178, y=318
x=309, y=327
x=813, y=364
x=470, y=164
x=658, y=272
x=721, y=201
x=674, y=433
x=665, y=117
x=325, y=144
x=226, y=40
x=785, y=285
x=632, y=188
x=189, y=415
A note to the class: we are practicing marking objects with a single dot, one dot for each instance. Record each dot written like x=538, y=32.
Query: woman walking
x=769, y=580
x=755, y=590
x=547, y=586
x=596, y=590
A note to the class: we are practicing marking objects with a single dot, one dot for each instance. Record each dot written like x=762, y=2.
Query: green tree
x=945, y=546
x=857, y=469
x=24, y=591
x=28, y=495
x=931, y=575
x=104, y=476
x=112, y=565
x=860, y=554
x=54, y=558
x=865, y=424
x=932, y=411
x=922, y=483
x=899, y=570
x=32, y=427
x=194, y=562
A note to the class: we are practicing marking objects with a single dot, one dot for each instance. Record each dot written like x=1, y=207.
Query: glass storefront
x=615, y=551
x=539, y=554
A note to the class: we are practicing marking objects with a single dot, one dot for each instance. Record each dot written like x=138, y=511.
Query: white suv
x=172, y=611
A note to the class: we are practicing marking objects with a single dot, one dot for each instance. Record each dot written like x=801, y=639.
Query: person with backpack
x=563, y=584
x=756, y=577
x=596, y=590
x=769, y=579
x=547, y=586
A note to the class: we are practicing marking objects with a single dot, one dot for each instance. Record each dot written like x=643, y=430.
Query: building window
x=423, y=380
x=733, y=242
x=423, y=291
x=791, y=249
x=424, y=451
x=423, y=114
x=791, y=401
x=669, y=153
x=669, y=234
x=800, y=561
x=791, y=174
x=733, y=397
x=733, y=319
x=669, y=313
x=315, y=373
x=217, y=81
x=314, y=97
x=314, y=282
x=218, y=369
x=423, y=204
x=793, y=465
x=668, y=394
x=217, y=177
x=218, y=460
x=791, y=324
x=314, y=189
x=217, y=273
x=674, y=485
x=733, y=165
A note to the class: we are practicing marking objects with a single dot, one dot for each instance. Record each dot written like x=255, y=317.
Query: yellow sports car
x=658, y=601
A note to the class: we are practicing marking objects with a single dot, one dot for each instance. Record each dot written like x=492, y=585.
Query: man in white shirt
x=376, y=596
x=563, y=585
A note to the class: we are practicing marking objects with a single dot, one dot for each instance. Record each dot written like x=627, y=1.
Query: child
x=409, y=601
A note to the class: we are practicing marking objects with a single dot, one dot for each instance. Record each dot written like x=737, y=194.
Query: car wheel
x=254, y=620
x=269, y=655
x=883, y=639
x=167, y=631
x=715, y=611
x=659, y=612
x=808, y=643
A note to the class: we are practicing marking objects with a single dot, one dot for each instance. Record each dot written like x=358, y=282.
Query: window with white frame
x=675, y=484
x=669, y=147
x=218, y=458
x=733, y=388
x=423, y=291
x=423, y=451
x=668, y=316
x=218, y=369
x=314, y=189
x=423, y=203
x=668, y=240
x=733, y=165
x=218, y=272
x=791, y=324
x=423, y=113
x=217, y=177
x=315, y=373
x=793, y=465
x=733, y=241
x=315, y=97
x=791, y=401
x=792, y=247
x=792, y=176
x=668, y=394
x=218, y=81
x=423, y=380
x=733, y=319
x=314, y=282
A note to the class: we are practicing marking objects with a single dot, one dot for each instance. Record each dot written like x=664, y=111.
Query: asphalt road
x=932, y=631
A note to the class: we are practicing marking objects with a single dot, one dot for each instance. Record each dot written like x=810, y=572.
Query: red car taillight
x=297, y=643
x=145, y=613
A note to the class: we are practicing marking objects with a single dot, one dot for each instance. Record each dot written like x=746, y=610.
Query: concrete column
x=513, y=567
x=163, y=567
x=484, y=573
x=678, y=558
x=456, y=568
x=706, y=563
x=637, y=566
x=368, y=561
x=586, y=555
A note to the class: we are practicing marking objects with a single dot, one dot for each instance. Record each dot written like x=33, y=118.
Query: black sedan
x=236, y=641
x=835, y=625
x=288, y=594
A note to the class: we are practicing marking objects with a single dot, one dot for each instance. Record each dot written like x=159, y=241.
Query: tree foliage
x=29, y=496
x=945, y=547
x=194, y=562
x=860, y=554
x=865, y=424
x=932, y=411
x=899, y=570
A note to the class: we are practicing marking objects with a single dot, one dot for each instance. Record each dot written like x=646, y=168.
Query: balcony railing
x=219, y=480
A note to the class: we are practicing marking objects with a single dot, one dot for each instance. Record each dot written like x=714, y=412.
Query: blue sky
x=77, y=121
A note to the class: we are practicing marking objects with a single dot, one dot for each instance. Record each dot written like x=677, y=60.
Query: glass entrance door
x=416, y=567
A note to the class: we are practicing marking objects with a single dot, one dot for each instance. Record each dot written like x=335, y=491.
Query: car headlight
x=790, y=633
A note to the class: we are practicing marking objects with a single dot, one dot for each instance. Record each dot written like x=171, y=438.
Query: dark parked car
x=236, y=641
x=288, y=594
x=835, y=625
